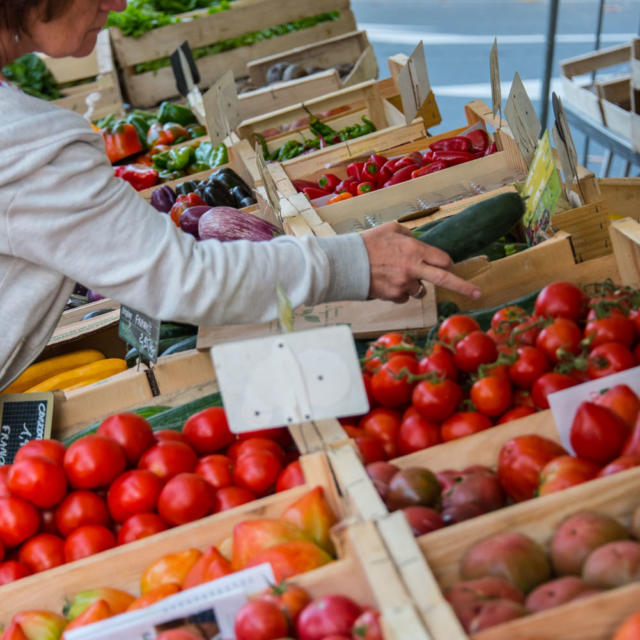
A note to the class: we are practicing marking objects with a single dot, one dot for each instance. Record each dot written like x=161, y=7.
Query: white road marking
x=483, y=90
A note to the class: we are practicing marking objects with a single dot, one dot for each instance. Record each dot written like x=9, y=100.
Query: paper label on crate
x=543, y=189
x=289, y=379
x=494, y=69
x=221, y=108
x=268, y=181
x=564, y=404
x=140, y=331
x=25, y=416
x=522, y=118
x=413, y=83
x=208, y=610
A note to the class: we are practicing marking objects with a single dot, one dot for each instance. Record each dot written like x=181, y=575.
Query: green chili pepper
x=265, y=149
x=170, y=112
x=289, y=149
x=320, y=128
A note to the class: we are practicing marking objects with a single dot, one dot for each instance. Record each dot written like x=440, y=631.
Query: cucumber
x=184, y=345
x=426, y=226
x=176, y=329
x=174, y=418
x=463, y=234
x=165, y=343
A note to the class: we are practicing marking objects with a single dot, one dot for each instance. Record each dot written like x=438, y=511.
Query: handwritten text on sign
x=24, y=417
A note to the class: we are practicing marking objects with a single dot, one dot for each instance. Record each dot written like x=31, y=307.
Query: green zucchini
x=418, y=231
x=165, y=343
x=463, y=234
x=183, y=345
x=174, y=418
x=176, y=329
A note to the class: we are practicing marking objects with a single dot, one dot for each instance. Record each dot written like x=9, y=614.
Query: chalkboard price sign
x=24, y=417
x=140, y=331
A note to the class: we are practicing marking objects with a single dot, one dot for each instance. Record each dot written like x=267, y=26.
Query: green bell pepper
x=212, y=156
x=180, y=158
x=169, y=112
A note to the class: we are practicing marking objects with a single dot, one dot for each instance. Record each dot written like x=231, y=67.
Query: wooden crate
x=625, y=236
x=95, y=74
x=149, y=88
x=622, y=196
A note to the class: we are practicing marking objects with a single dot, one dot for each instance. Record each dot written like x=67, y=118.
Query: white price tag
x=289, y=379
x=413, y=82
x=221, y=108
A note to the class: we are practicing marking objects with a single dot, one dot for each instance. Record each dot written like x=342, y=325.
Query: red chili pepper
x=378, y=160
x=121, y=141
x=454, y=157
x=479, y=140
x=139, y=176
x=354, y=170
x=456, y=143
x=427, y=157
x=432, y=167
x=301, y=184
x=387, y=170
x=328, y=181
x=315, y=192
x=349, y=185
x=492, y=148
x=184, y=202
x=411, y=158
x=401, y=175
x=365, y=187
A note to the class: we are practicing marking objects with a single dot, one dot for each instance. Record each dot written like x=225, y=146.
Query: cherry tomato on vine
x=516, y=413
x=384, y=425
x=456, y=327
x=131, y=431
x=386, y=341
x=441, y=363
x=548, y=383
x=529, y=365
x=614, y=328
x=390, y=385
x=491, y=395
x=609, y=358
x=436, y=400
x=563, y=334
x=473, y=350
x=561, y=299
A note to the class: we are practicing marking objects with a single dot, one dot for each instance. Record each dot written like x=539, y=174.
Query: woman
x=65, y=218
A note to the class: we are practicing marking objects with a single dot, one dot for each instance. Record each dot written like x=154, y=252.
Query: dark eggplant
x=239, y=196
x=163, y=198
x=190, y=217
x=246, y=202
x=228, y=178
x=188, y=186
x=215, y=195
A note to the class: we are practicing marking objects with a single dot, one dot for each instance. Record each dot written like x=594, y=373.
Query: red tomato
x=530, y=364
x=623, y=401
x=562, y=333
x=80, y=508
x=169, y=458
x=4, y=475
x=140, y=526
x=516, y=413
x=367, y=626
x=135, y=491
x=42, y=552
x=563, y=472
x=383, y=424
x=527, y=332
x=169, y=434
x=436, y=401
x=12, y=570
x=41, y=481
x=561, y=299
x=441, y=363
x=19, y=520
x=371, y=448
x=374, y=357
x=597, y=433
x=416, y=433
x=463, y=423
x=523, y=398
x=280, y=434
x=260, y=620
x=94, y=461
x=292, y=476
x=520, y=461
x=547, y=384
x=86, y=541
x=456, y=327
x=327, y=615
x=505, y=319
x=231, y=497
x=186, y=497
x=216, y=469
x=259, y=444
x=473, y=350
x=619, y=464
x=609, y=358
x=289, y=597
x=257, y=471
x=496, y=370
x=208, y=431
x=46, y=448
x=390, y=385
x=614, y=328
x=48, y=522
x=491, y=395
x=131, y=431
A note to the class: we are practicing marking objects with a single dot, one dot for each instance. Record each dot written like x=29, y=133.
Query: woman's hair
x=14, y=13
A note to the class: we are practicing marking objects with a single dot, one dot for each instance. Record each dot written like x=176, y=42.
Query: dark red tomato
x=415, y=434
x=561, y=299
x=19, y=520
x=231, y=497
x=292, y=476
x=456, y=327
x=621, y=400
x=12, y=570
x=132, y=432
x=42, y=552
x=260, y=620
x=86, y=541
x=169, y=434
x=522, y=398
x=259, y=444
x=208, y=431
x=41, y=481
x=291, y=599
x=326, y=616
x=186, y=497
x=634, y=316
x=94, y=461
x=436, y=401
x=597, y=433
x=520, y=461
x=473, y=350
x=562, y=333
x=614, y=328
x=547, y=384
x=216, y=469
x=280, y=434
x=135, y=491
x=527, y=332
x=46, y=448
x=516, y=413
x=390, y=385
x=257, y=471
x=4, y=475
x=141, y=526
x=564, y=472
x=367, y=626
x=48, y=522
x=530, y=364
x=462, y=424
x=374, y=359
x=505, y=319
x=371, y=449
x=441, y=363
x=384, y=425
x=491, y=395
x=609, y=358
x=167, y=459
x=619, y=464
x=80, y=508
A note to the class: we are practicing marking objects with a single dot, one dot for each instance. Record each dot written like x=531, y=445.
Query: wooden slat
x=622, y=196
x=625, y=237
x=588, y=226
x=595, y=60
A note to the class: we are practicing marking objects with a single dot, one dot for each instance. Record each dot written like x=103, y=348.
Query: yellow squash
x=86, y=374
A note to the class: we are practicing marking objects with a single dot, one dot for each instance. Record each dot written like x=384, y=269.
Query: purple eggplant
x=227, y=223
x=190, y=217
x=163, y=198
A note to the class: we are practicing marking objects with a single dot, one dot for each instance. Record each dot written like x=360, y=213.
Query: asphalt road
x=458, y=36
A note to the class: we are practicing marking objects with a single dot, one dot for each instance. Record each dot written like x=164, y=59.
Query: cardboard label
x=268, y=181
x=25, y=416
x=496, y=90
x=221, y=108
x=140, y=331
x=566, y=147
x=413, y=83
x=522, y=118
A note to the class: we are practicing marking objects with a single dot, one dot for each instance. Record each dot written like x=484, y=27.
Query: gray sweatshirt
x=64, y=218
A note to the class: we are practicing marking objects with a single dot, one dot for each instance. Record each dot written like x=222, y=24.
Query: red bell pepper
x=168, y=133
x=301, y=184
x=121, y=141
x=182, y=203
x=427, y=157
x=139, y=176
x=371, y=171
x=387, y=170
x=401, y=175
x=349, y=185
x=315, y=192
x=454, y=157
x=492, y=148
x=456, y=143
x=328, y=181
x=411, y=158
x=479, y=140
x=354, y=170
x=378, y=160
x=365, y=187
x=432, y=167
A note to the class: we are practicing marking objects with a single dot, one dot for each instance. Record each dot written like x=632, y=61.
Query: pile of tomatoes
x=126, y=482
x=469, y=380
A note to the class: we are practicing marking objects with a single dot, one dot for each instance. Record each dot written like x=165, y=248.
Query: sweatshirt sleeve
x=73, y=216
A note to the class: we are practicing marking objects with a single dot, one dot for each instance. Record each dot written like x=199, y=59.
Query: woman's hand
x=399, y=263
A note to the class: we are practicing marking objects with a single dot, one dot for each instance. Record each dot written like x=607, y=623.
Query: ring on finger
x=420, y=293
